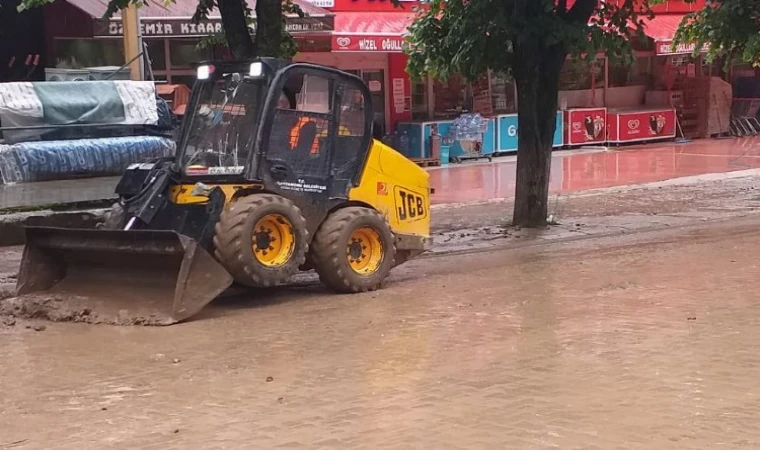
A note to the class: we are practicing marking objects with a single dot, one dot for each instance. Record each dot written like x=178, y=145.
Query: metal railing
x=745, y=117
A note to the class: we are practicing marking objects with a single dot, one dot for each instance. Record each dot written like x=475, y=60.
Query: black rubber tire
x=329, y=250
x=234, y=233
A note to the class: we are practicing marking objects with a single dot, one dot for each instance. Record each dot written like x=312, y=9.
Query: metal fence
x=745, y=117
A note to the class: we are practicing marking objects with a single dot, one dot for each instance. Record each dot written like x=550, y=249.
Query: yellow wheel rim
x=273, y=240
x=365, y=251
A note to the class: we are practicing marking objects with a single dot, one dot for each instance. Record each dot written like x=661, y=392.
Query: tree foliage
x=730, y=28
x=471, y=36
x=531, y=40
x=270, y=38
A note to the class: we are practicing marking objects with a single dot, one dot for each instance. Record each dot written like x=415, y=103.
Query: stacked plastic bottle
x=468, y=127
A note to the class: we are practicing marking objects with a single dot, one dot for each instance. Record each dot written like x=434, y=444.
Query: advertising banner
x=507, y=132
x=633, y=126
x=585, y=126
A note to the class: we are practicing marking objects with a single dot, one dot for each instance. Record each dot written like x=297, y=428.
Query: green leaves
x=731, y=28
x=472, y=36
x=28, y=4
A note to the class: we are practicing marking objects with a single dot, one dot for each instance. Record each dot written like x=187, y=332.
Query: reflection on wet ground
x=637, y=342
x=576, y=171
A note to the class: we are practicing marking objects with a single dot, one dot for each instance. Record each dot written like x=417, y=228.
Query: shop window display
x=637, y=74
x=419, y=100
x=503, y=94
x=578, y=75
x=78, y=53
x=449, y=97
x=184, y=52
x=157, y=54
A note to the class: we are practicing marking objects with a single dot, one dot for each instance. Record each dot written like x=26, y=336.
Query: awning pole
x=132, y=41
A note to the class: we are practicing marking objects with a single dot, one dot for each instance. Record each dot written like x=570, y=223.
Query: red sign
x=667, y=48
x=585, y=126
x=354, y=43
x=642, y=125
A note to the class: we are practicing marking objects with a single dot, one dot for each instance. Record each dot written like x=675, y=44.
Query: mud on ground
x=482, y=227
x=60, y=309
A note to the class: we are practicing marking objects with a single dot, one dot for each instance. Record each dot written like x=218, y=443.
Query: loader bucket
x=124, y=277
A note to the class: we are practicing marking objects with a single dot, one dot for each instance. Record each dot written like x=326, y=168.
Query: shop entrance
x=375, y=81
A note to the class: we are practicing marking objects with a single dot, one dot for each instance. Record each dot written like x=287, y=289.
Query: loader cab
x=317, y=145
x=222, y=118
x=300, y=129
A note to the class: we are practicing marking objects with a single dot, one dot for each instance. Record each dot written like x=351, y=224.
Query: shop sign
x=368, y=43
x=159, y=27
x=186, y=27
x=648, y=125
x=667, y=48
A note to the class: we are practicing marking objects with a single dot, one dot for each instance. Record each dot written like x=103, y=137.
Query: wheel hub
x=263, y=241
x=356, y=250
x=273, y=241
x=364, y=251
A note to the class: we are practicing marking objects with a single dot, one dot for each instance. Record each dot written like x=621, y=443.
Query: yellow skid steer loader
x=276, y=172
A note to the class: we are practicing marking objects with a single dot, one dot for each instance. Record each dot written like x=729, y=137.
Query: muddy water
x=642, y=342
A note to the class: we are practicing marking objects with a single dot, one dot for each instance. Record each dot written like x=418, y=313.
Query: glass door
x=375, y=81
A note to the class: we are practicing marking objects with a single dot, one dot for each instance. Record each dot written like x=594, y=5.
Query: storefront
x=370, y=45
x=78, y=37
x=598, y=104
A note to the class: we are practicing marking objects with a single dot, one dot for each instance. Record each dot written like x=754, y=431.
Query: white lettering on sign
x=155, y=28
x=231, y=170
x=367, y=44
x=302, y=186
x=512, y=130
x=391, y=44
x=664, y=48
x=323, y=3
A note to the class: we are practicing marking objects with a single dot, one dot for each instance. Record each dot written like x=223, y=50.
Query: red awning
x=661, y=29
x=370, y=31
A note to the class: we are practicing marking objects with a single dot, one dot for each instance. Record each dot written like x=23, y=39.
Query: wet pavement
x=646, y=341
x=631, y=325
x=578, y=170
x=572, y=171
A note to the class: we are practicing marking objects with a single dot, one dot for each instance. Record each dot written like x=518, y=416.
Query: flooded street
x=646, y=341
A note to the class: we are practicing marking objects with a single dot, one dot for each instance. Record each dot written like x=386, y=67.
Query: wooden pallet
x=427, y=162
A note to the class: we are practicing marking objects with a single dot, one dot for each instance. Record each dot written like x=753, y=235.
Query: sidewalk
x=580, y=170
x=572, y=171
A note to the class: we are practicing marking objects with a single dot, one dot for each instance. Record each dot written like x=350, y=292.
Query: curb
x=12, y=225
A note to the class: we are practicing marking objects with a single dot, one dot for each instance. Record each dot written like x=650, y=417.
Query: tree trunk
x=537, y=78
x=268, y=27
x=236, y=28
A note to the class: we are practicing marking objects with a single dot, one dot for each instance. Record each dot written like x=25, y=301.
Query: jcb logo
x=410, y=206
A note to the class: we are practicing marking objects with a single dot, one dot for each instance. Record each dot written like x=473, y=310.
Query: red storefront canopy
x=662, y=30
x=370, y=31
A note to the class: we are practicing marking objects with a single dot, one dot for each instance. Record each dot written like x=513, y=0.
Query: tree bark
x=537, y=78
x=268, y=27
x=236, y=28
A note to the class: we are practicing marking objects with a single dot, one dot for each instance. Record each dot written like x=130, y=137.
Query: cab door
x=299, y=138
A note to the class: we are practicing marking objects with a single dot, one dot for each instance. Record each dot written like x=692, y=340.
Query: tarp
x=56, y=160
x=117, y=102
